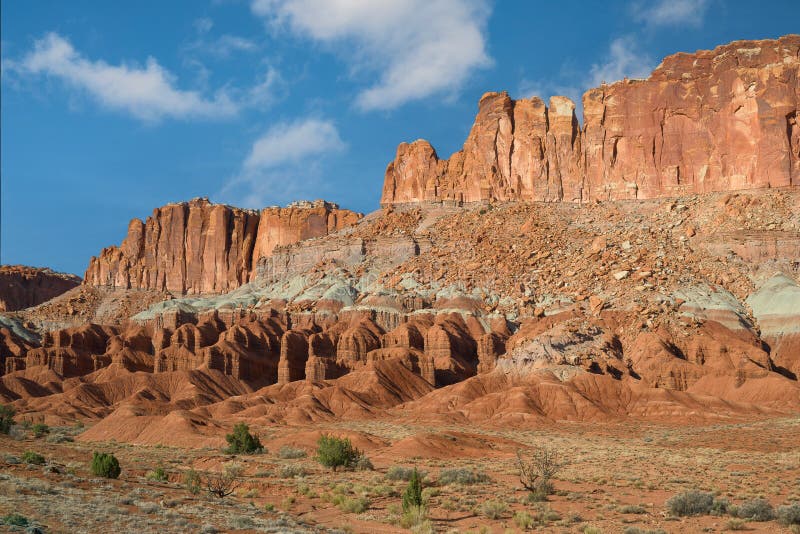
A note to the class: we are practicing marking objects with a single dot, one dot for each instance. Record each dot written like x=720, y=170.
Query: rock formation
x=717, y=120
x=197, y=247
x=22, y=287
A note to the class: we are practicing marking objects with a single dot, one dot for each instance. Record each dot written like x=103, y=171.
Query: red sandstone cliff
x=198, y=247
x=717, y=120
x=22, y=287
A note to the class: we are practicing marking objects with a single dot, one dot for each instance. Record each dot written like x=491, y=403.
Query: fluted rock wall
x=715, y=120
x=197, y=247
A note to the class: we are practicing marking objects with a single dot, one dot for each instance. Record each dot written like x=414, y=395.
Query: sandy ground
x=616, y=477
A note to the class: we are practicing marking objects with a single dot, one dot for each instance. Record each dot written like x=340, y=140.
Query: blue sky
x=110, y=109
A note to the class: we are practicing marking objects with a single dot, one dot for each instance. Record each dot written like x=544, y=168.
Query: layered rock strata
x=197, y=247
x=22, y=287
x=717, y=120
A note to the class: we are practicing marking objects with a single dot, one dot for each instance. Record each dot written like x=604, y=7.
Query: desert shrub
x=7, y=414
x=756, y=510
x=241, y=522
x=690, y=503
x=336, y=452
x=414, y=517
x=242, y=441
x=632, y=509
x=413, y=494
x=363, y=464
x=537, y=471
x=637, y=530
x=16, y=520
x=191, y=480
x=105, y=465
x=222, y=484
x=465, y=477
x=736, y=524
x=403, y=473
x=720, y=506
x=523, y=520
x=355, y=505
x=59, y=438
x=40, y=429
x=494, y=509
x=290, y=453
x=158, y=474
x=292, y=471
x=30, y=457
x=789, y=514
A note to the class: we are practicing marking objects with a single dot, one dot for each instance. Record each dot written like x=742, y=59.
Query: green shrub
x=290, y=453
x=756, y=510
x=242, y=441
x=494, y=509
x=464, y=477
x=690, y=503
x=191, y=480
x=158, y=474
x=40, y=429
x=7, y=414
x=413, y=494
x=30, y=457
x=105, y=465
x=336, y=452
x=16, y=520
x=789, y=514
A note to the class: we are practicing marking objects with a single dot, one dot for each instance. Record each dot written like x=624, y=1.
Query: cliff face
x=22, y=287
x=198, y=247
x=715, y=120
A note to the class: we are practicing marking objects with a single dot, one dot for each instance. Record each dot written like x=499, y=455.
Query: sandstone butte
x=718, y=120
x=197, y=247
x=23, y=287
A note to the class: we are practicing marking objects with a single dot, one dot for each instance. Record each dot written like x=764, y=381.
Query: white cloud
x=147, y=93
x=671, y=12
x=203, y=25
x=284, y=164
x=623, y=60
x=419, y=48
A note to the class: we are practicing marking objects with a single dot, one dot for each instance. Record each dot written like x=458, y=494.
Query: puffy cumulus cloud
x=418, y=48
x=147, y=92
x=623, y=60
x=671, y=12
x=285, y=163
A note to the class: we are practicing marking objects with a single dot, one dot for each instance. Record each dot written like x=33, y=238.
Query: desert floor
x=617, y=477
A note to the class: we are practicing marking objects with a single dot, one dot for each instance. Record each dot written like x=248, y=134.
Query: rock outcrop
x=718, y=120
x=197, y=247
x=22, y=287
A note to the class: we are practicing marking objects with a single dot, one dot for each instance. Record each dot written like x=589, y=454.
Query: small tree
x=336, y=452
x=105, y=465
x=536, y=472
x=7, y=414
x=413, y=494
x=222, y=484
x=242, y=441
